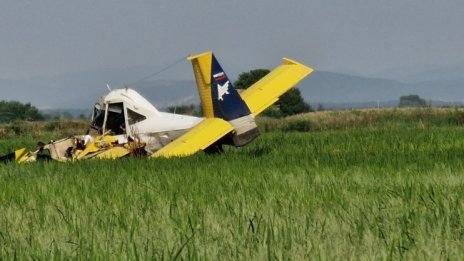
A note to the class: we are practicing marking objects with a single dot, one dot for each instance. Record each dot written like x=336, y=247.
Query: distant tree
x=292, y=103
x=14, y=110
x=289, y=104
x=412, y=101
x=246, y=79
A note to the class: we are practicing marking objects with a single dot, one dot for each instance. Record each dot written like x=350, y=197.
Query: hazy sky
x=366, y=37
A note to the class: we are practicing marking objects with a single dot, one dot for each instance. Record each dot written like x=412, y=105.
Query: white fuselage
x=164, y=122
x=129, y=115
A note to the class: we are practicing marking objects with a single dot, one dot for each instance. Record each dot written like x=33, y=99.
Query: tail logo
x=222, y=90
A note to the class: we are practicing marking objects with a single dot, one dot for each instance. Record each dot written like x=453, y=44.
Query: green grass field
x=389, y=191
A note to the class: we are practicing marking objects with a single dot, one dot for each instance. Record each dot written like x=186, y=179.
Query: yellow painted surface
x=27, y=157
x=100, y=143
x=113, y=153
x=19, y=153
x=267, y=91
x=201, y=64
x=200, y=137
x=91, y=148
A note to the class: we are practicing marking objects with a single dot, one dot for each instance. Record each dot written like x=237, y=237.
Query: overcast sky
x=365, y=37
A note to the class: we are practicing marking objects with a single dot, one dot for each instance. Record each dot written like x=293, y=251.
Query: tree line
x=15, y=110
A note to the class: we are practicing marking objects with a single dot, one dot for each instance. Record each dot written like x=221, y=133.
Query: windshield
x=98, y=117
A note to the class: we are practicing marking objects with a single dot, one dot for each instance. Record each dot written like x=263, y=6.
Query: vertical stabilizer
x=219, y=99
x=217, y=94
x=227, y=103
x=202, y=70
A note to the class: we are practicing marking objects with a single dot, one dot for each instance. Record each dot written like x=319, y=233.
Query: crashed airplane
x=130, y=125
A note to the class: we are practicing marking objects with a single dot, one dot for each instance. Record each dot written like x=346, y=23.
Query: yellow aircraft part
x=91, y=148
x=27, y=157
x=267, y=91
x=19, y=153
x=100, y=143
x=113, y=153
x=200, y=137
x=201, y=64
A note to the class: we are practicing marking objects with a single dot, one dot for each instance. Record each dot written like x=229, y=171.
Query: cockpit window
x=115, y=121
x=97, y=118
x=134, y=117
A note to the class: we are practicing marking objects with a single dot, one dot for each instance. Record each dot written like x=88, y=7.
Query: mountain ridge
x=81, y=90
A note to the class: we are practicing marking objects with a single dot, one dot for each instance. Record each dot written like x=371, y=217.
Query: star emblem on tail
x=222, y=90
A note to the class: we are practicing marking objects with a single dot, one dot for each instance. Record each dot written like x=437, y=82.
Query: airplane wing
x=267, y=91
x=200, y=137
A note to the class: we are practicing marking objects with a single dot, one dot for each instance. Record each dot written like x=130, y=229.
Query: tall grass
x=366, y=118
x=39, y=129
x=375, y=193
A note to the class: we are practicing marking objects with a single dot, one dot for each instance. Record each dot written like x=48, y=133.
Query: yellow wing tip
x=195, y=56
x=305, y=68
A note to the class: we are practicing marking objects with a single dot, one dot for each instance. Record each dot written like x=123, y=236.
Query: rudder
x=219, y=98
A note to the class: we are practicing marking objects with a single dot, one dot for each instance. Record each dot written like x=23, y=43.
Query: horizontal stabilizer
x=199, y=138
x=267, y=91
